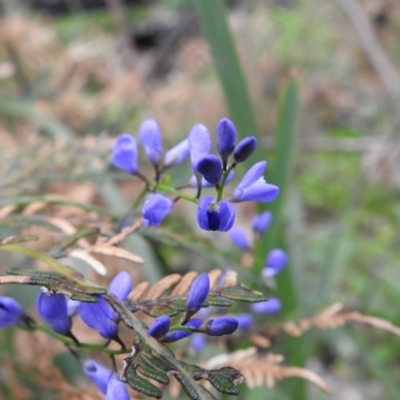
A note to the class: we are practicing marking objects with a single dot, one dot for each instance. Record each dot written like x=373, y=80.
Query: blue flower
x=245, y=149
x=210, y=167
x=240, y=239
x=213, y=216
x=222, y=326
x=226, y=137
x=178, y=335
x=121, y=285
x=116, y=389
x=10, y=311
x=198, y=341
x=100, y=315
x=261, y=222
x=98, y=374
x=271, y=306
x=276, y=261
x=199, y=144
x=125, y=153
x=198, y=293
x=193, y=181
x=160, y=327
x=245, y=320
x=156, y=208
x=253, y=186
x=177, y=154
x=150, y=136
x=53, y=309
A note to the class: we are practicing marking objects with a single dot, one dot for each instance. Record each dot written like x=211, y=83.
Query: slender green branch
x=172, y=190
x=69, y=342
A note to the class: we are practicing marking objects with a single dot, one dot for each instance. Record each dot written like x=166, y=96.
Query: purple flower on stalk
x=253, y=187
x=150, y=136
x=100, y=315
x=177, y=154
x=276, y=261
x=261, y=222
x=98, y=374
x=198, y=293
x=125, y=153
x=210, y=167
x=178, y=335
x=53, y=309
x=226, y=137
x=193, y=181
x=10, y=311
x=199, y=144
x=271, y=306
x=240, y=239
x=213, y=216
x=222, y=326
x=156, y=208
x=160, y=327
x=116, y=389
x=245, y=149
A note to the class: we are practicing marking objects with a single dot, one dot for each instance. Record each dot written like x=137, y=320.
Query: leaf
x=222, y=383
x=142, y=385
x=241, y=293
x=199, y=393
x=144, y=368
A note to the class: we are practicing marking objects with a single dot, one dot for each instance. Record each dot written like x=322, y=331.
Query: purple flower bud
x=10, y=311
x=205, y=184
x=226, y=137
x=178, y=335
x=240, y=239
x=116, y=389
x=211, y=168
x=271, y=306
x=245, y=149
x=276, y=261
x=177, y=154
x=100, y=316
x=121, y=285
x=97, y=373
x=245, y=320
x=150, y=136
x=160, y=326
x=198, y=293
x=53, y=309
x=198, y=341
x=199, y=144
x=125, y=153
x=253, y=186
x=261, y=222
x=156, y=208
x=222, y=326
x=213, y=216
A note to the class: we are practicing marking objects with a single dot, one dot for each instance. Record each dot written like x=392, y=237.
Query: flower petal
x=150, y=136
x=252, y=175
x=202, y=212
x=210, y=167
x=156, y=208
x=226, y=137
x=199, y=143
x=177, y=154
x=227, y=215
x=121, y=285
x=125, y=153
x=240, y=239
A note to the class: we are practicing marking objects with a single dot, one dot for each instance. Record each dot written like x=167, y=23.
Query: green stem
x=180, y=328
x=172, y=190
x=220, y=191
x=70, y=342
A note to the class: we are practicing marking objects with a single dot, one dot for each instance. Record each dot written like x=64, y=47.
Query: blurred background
x=76, y=73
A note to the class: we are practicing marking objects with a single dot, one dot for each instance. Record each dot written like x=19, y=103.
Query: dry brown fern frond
x=332, y=317
x=261, y=369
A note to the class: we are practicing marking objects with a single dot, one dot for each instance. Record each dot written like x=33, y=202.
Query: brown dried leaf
x=85, y=256
x=214, y=275
x=184, y=285
x=137, y=293
x=162, y=286
x=6, y=211
x=116, y=252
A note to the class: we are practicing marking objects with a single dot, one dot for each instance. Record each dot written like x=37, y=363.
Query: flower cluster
x=161, y=327
x=214, y=213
